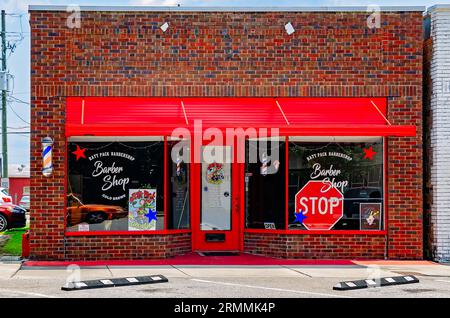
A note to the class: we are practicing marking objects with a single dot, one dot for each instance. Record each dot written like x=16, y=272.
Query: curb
x=376, y=282
x=114, y=282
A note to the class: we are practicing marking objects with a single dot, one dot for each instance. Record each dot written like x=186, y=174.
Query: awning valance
x=133, y=116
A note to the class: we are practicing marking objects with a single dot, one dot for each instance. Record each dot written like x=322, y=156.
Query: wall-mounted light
x=47, y=167
x=164, y=27
x=289, y=28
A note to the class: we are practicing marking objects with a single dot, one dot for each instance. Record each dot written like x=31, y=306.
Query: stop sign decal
x=321, y=205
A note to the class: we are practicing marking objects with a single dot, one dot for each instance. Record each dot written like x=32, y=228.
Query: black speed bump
x=378, y=282
x=114, y=282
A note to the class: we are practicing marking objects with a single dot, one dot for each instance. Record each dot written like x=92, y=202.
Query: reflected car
x=11, y=216
x=25, y=202
x=77, y=212
x=4, y=196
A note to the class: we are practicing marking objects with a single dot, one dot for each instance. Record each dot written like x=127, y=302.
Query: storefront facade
x=186, y=129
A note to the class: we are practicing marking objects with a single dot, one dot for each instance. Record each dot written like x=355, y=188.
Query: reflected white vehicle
x=25, y=202
x=4, y=196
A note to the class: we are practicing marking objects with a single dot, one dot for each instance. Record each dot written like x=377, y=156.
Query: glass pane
x=115, y=186
x=216, y=188
x=265, y=188
x=178, y=205
x=353, y=168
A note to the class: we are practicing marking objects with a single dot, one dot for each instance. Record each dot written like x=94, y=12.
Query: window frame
x=165, y=230
x=285, y=140
x=288, y=231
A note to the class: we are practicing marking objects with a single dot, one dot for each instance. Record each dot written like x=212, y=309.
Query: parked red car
x=11, y=216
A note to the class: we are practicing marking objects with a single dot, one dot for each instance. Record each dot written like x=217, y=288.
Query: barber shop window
x=115, y=185
x=336, y=184
x=178, y=187
x=265, y=184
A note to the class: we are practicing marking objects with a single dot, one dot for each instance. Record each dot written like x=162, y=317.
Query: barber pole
x=179, y=168
x=47, y=167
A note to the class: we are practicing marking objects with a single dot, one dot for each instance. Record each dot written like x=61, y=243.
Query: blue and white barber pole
x=47, y=167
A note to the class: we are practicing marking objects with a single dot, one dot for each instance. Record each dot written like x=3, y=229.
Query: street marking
x=383, y=281
x=106, y=281
x=114, y=282
x=26, y=293
x=270, y=288
x=441, y=280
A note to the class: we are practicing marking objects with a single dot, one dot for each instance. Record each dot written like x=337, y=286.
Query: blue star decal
x=299, y=217
x=151, y=215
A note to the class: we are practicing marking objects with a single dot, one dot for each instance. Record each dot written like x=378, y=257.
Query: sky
x=19, y=60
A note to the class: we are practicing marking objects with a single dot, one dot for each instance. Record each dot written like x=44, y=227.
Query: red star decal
x=369, y=153
x=80, y=153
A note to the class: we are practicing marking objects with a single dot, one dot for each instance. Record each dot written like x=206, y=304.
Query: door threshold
x=218, y=253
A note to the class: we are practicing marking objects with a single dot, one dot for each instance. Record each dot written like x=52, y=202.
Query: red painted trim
x=233, y=236
x=286, y=163
x=66, y=180
x=195, y=259
x=242, y=205
x=192, y=201
x=312, y=232
x=385, y=196
x=130, y=233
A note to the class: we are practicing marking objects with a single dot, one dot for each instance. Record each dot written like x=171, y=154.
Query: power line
x=4, y=114
x=17, y=32
x=16, y=14
x=24, y=127
x=19, y=100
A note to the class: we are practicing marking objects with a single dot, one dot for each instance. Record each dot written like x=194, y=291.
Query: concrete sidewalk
x=229, y=281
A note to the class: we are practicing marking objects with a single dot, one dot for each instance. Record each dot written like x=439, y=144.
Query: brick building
x=340, y=97
x=437, y=111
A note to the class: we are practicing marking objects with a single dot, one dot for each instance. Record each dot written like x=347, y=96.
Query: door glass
x=216, y=188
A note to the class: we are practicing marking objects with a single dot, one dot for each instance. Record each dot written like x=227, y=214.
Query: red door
x=216, y=191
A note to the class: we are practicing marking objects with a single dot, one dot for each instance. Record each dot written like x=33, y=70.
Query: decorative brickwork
x=127, y=247
x=227, y=54
x=328, y=246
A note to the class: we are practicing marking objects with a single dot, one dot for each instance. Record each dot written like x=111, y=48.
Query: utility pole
x=4, y=118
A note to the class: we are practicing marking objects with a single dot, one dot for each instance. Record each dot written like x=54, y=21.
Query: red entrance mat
x=196, y=259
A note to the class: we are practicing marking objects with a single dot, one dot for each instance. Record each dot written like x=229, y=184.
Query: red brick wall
x=229, y=54
x=126, y=247
x=316, y=246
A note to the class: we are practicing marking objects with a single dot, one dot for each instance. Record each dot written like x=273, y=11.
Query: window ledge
x=125, y=233
x=312, y=232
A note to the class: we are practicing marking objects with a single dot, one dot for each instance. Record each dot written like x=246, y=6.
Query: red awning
x=132, y=116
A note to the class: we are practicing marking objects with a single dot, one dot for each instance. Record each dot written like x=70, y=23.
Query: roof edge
x=439, y=7
x=227, y=9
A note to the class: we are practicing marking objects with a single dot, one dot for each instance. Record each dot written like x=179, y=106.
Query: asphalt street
x=229, y=282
